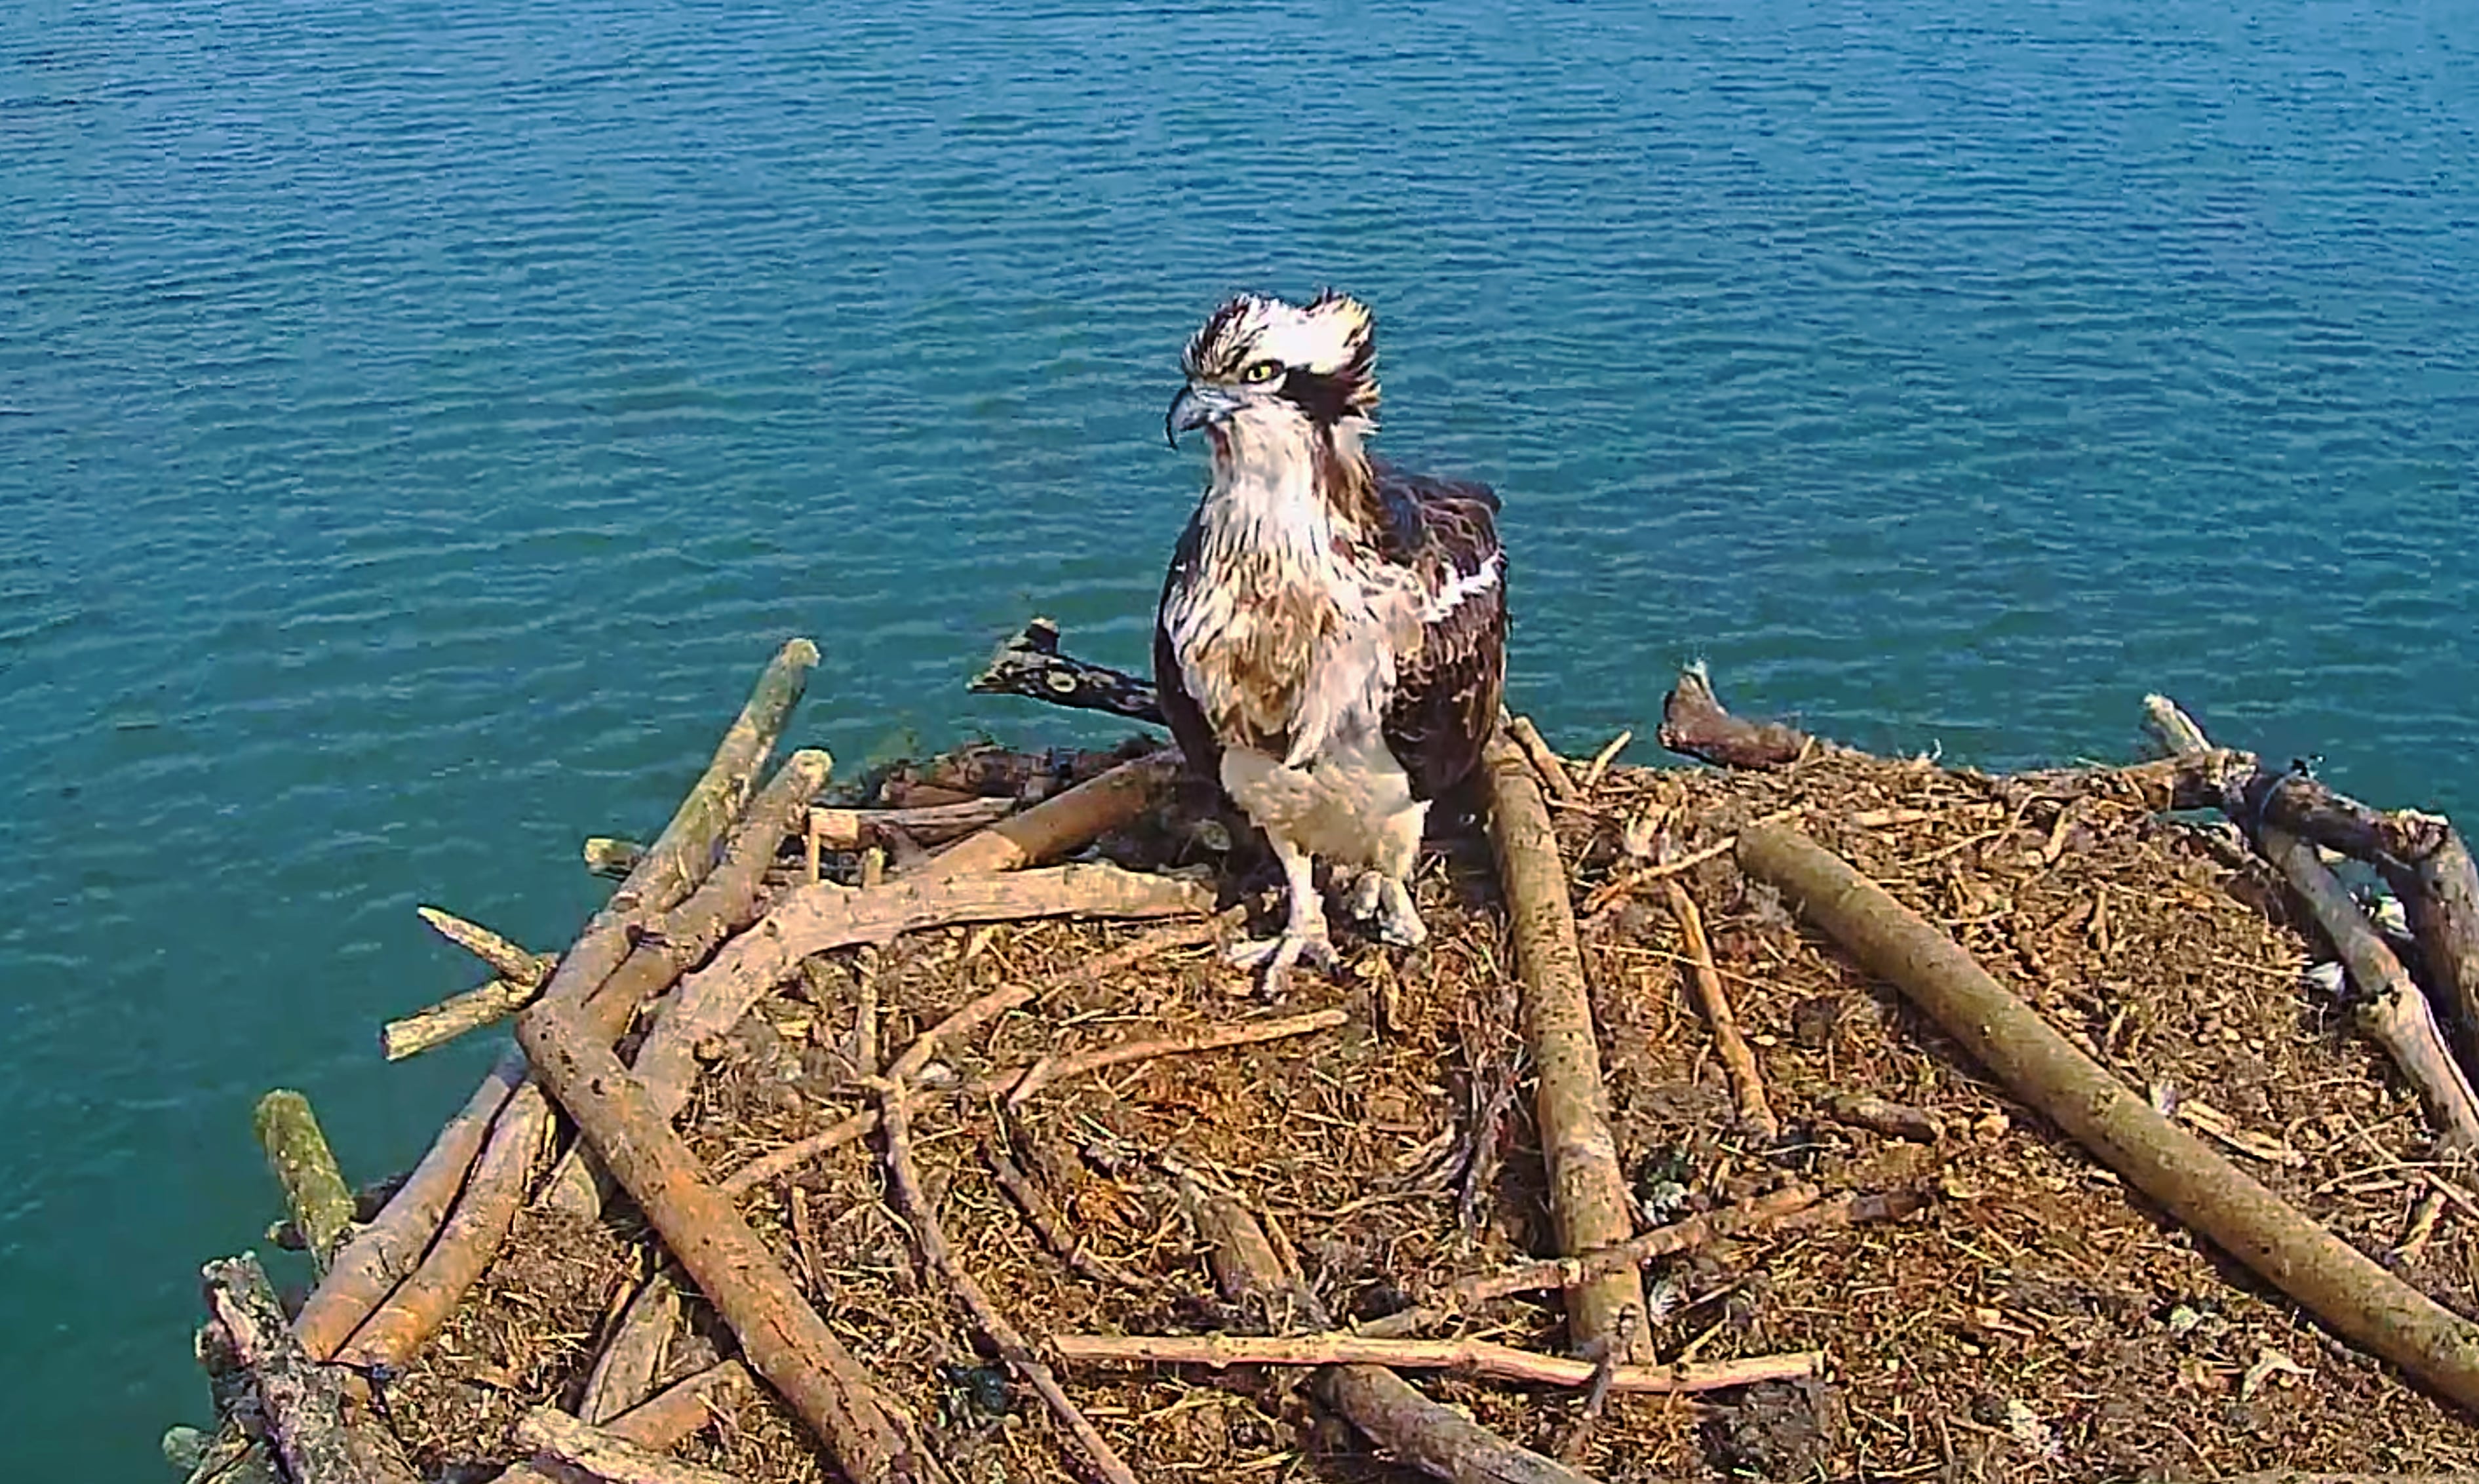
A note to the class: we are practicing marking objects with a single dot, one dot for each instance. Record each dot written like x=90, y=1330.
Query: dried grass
x=2034, y=1323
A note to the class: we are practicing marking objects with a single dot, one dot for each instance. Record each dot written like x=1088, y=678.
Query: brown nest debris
x=1816, y=1116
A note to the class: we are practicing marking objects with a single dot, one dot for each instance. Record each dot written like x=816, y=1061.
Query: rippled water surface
x=418, y=422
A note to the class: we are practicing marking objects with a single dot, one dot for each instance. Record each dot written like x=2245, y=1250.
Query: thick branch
x=1588, y=1190
x=2391, y=1009
x=2282, y=812
x=724, y=905
x=467, y=1241
x=660, y=1423
x=2327, y=1275
x=1694, y=723
x=1467, y=1357
x=659, y=879
x=313, y=1188
x=625, y=1371
x=1060, y=824
x=812, y=918
x=372, y=1265
x=931, y=823
x=782, y=1336
x=606, y=1456
x=303, y=1408
x=1391, y=1411
x=1030, y=665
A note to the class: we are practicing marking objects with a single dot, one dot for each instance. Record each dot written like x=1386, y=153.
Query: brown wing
x=1188, y=723
x=1446, y=694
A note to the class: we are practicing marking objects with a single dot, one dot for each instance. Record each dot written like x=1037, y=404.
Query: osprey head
x=1261, y=357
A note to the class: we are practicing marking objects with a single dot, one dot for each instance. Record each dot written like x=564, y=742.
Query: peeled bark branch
x=934, y=824
x=313, y=1188
x=1060, y=824
x=782, y=1336
x=1588, y=1190
x=372, y=1263
x=723, y=904
x=1467, y=1357
x=606, y=1456
x=812, y=918
x=2331, y=1278
x=1747, y=1082
x=1392, y=1411
x=1694, y=723
x=379, y=1257
x=660, y=1421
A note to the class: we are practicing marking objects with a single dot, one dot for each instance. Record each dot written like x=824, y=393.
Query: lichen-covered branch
x=303, y=1411
x=1588, y=1190
x=314, y=1192
x=2331, y=1278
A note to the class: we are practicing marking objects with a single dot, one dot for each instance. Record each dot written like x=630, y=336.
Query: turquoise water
x=419, y=421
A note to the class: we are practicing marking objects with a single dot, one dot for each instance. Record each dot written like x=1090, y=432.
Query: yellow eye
x=1261, y=372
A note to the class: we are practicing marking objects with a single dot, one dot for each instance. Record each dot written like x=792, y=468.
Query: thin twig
x=1206, y=1039
x=1546, y=763
x=934, y=1250
x=1047, y=1223
x=1601, y=761
x=1746, y=1081
x=1618, y=887
x=1469, y=1357
x=1768, y=1210
x=792, y=1155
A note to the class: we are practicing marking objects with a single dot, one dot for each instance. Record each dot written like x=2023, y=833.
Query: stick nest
x=2036, y=1322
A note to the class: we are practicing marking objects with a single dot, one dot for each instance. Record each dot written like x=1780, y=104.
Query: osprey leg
x=1304, y=933
x=1381, y=899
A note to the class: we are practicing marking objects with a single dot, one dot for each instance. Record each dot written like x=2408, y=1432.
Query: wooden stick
x=1747, y=1082
x=2390, y=1007
x=1432, y=1437
x=2443, y=901
x=810, y=918
x=1588, y=1190
x=1060, y=824
x=723, y=904
x=507, y=960
x=601, y=1455
x=624, y=1373
x=661, y=1421
x=2331, y=1278
x=932, y=824
x=1467, y=1357
x=1029, y=664
x=380, y=1255
x=470, y=1237
x=486, y=1003
x=1601, y=761
x=304, y=1411
x=1047, y=1223
x=781, y=1337
x=860, y=1125
x=1862, y=1110
x=1244, y=1032
x=313, y=1188
x=1683, y=1236
x=1389, y=1410
x=519, y=979
x=932, y=1239
x=1619, y=886
x=370, y=1264
x=1545, y=760
x=1695, y=725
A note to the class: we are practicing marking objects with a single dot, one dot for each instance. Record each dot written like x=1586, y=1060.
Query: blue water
x=419, y=421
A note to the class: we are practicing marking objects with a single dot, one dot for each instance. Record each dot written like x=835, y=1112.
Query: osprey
x=1331, y=642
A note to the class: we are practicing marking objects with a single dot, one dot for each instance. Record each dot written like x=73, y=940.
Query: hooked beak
x=1194, y=407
